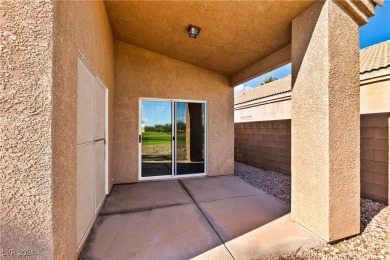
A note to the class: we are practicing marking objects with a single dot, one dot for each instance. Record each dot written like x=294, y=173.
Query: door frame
x=100, y=82
x=174, y=151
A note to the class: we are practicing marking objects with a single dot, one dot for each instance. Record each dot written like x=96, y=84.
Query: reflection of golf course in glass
x=159, y=144
x=156, y=138
x=156, y=132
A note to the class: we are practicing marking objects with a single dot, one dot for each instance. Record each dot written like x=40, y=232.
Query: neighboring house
x=78, y=78
x=268, y=108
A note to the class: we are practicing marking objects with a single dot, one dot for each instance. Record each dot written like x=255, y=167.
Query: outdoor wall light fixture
x=193, y=31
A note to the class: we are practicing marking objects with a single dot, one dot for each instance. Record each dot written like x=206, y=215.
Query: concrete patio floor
x=203, y=218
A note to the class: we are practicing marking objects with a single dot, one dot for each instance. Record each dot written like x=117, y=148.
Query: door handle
x=140, y=138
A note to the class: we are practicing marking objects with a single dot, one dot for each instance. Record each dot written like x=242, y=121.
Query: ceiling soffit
x=233, y=36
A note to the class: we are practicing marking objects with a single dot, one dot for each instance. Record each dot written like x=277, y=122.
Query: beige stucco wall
x=277, y=110
x=142, y=73
x=25, y=136
x=310, y=205
x=325, y=125
x=84, y=26
x=375, y=93
x=374, y=99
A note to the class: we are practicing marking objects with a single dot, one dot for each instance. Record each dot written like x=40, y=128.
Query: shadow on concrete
x=206, y=218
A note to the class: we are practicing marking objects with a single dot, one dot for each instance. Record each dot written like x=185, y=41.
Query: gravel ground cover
x=372, y=243
x=274, y=183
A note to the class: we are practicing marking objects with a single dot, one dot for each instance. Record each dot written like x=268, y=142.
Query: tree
x=167, y=128
x=268, y=80
x=181, y=126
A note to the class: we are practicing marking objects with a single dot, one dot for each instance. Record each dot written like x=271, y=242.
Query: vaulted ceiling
x=233, y=36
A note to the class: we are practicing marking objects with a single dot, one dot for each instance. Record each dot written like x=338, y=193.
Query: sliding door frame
x=173, y=142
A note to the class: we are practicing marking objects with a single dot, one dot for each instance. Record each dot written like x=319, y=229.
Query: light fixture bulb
x=193, y=31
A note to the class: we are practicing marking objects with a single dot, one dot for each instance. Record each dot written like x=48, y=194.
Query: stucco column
x=325, y=119
x=26, y=224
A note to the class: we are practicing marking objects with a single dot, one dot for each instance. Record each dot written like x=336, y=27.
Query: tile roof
x=275, y=87
x=372, y=58
x=375, y=57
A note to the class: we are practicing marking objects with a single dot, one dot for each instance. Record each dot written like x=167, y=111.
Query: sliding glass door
x=172, y=138
x=190, y=144
x=156, y=138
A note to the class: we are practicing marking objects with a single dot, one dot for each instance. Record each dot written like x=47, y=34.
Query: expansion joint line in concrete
x=141, y=209
x=228, y=198
x=215, y=231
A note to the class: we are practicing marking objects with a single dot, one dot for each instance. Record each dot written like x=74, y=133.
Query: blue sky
x=375, y=31
x=278, y=73
x=378, y=27
x=156, y=113
x=160, y=112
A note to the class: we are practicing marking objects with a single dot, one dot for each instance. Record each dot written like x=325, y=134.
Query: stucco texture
x=375, y=95
x=25, y=136
x=141, y=73
x=252, y=34
x=277, y=110
x=78, y=26
x=325, y=122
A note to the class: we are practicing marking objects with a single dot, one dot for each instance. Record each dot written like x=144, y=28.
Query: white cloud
x=241, y=88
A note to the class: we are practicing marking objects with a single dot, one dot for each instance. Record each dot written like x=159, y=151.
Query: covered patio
x=78, y=76
x=203, y=218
